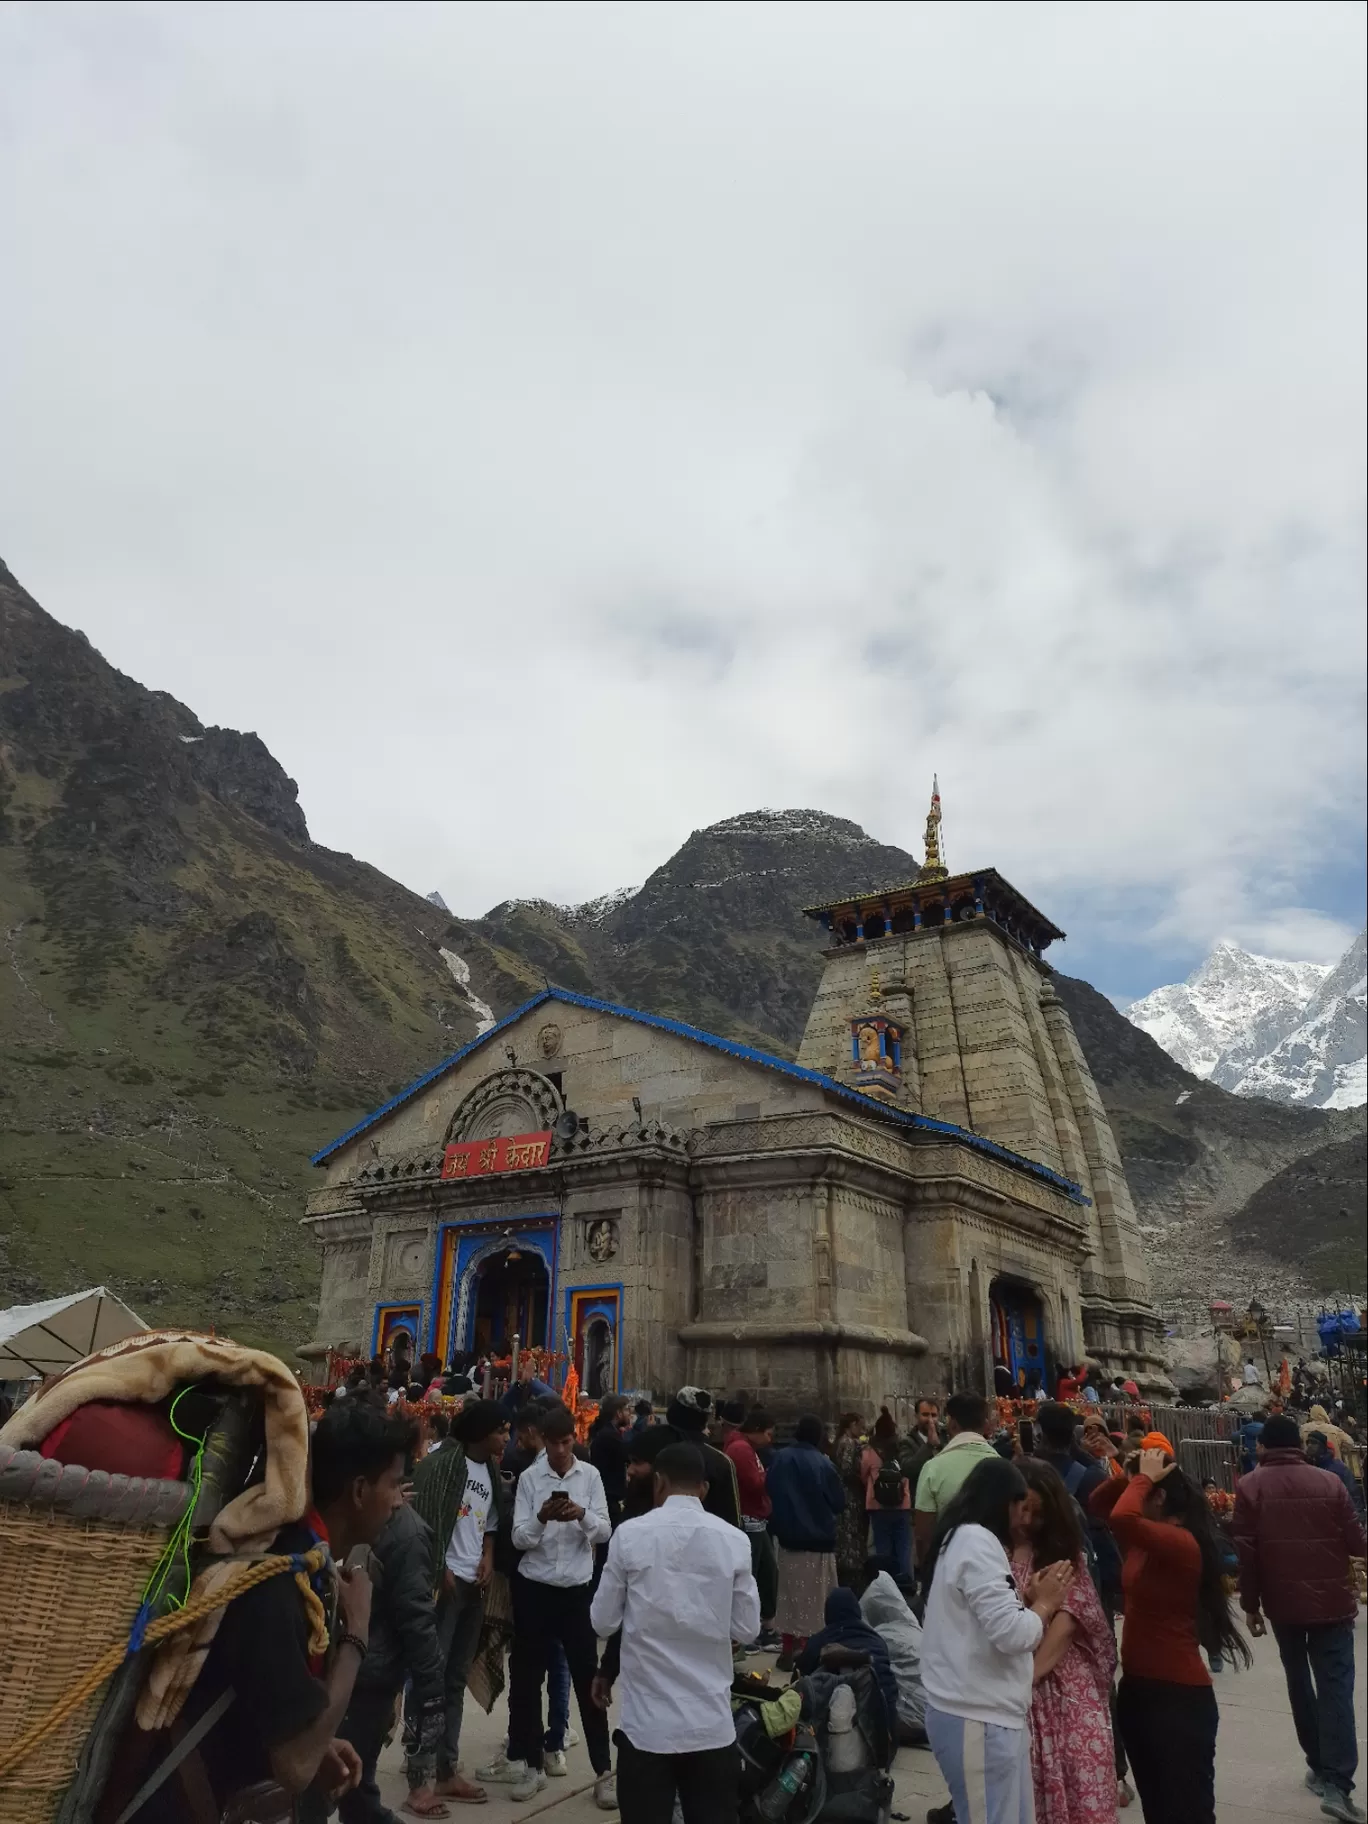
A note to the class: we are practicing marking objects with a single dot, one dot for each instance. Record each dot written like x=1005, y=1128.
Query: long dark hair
x=985, y=1500
x=1182, y=1500
x=1060, y=1533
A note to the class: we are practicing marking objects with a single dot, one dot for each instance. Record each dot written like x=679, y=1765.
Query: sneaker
x=532, y=1782
x=1337, y=1804
x=941, y=1814
x=572, y=1738
x=501, y=1768
x=784, y=1663
x=553, y=1763
x=769, y=1641
x=1315, y=1783
x=605, y=1792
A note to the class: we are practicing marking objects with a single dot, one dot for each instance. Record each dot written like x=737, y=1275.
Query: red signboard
x=509, y=1153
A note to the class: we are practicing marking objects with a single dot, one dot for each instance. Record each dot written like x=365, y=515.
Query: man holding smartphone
x=560, y=1514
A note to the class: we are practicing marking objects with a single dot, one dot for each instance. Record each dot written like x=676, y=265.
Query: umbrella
x=48, y=1337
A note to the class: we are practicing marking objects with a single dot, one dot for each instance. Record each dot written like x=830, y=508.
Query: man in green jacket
x=966, y=1420
x=458, y=1490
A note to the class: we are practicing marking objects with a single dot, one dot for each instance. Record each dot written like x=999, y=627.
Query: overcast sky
x=556, y=428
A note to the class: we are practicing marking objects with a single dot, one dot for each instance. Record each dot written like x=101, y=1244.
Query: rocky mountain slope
x=192, y=994
x=194, y=997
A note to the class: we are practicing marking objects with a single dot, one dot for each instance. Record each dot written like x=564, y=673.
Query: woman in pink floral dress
x=1072, y=1756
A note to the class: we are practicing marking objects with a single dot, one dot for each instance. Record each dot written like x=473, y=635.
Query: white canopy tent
x=48, y=1337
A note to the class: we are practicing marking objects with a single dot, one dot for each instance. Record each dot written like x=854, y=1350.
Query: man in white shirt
x=678, y=1583
x=559, y=1515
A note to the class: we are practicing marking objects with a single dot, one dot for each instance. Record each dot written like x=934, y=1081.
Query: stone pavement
x=1259, y=1768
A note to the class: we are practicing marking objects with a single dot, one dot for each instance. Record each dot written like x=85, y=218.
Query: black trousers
x=1170, y=1736
x=542, y=1614
x=708, y=1784
x=365, y=1726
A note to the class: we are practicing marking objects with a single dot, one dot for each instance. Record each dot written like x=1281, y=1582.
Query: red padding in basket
x=125, y=1439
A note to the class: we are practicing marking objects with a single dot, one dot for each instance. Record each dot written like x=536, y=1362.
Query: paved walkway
x=1259, y=1768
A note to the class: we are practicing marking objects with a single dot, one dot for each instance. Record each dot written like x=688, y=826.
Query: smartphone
x=1026, y=1433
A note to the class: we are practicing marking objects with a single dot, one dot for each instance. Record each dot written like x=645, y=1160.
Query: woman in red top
x=1176, y=1604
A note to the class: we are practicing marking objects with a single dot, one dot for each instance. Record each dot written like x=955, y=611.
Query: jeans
x=365, y=1725
x=987, y=1768
x=707, y=1783
x=557, y=1698
x=765, y=1570
x=1170, y=1736
x=543, y=1614
x=460, y=1617
x=892, y=1531
x=1319, y=1665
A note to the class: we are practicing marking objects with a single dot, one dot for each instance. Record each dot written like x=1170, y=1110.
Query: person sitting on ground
x=1296, y=1533
x=677, y=1586
x=279, y=1709
x=688, y=1412
x=966, y=1421
x=885, y=1609
x=845, y=1627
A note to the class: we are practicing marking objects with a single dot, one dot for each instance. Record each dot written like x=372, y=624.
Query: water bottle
x=777, y=1799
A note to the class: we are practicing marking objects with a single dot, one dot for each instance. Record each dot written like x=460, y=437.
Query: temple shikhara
x=930, y=1195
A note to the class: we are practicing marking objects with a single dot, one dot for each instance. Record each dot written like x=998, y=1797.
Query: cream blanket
x=147, y=1368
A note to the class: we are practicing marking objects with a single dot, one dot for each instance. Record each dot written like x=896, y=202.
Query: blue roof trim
x=747, y=1053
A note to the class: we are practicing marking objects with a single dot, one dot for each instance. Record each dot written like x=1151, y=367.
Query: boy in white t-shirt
x=463, y=1507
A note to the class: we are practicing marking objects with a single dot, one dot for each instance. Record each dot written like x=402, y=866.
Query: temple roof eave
x=921, y=892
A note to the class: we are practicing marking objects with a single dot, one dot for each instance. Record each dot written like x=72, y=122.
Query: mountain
x=1235, y=1003
x=1199, y=1162
x=1322, y=1062
x=716, y=935
x=193, y=995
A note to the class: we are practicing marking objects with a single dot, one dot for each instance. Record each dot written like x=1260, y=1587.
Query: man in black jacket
x=689, y=1412
x=403, y=1645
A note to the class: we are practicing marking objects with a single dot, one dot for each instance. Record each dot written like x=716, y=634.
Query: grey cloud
x=714, y=386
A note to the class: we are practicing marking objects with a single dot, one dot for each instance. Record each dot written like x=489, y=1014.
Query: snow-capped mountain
x=1234, y=999
x=1323, y=1061
x=1291, y=1032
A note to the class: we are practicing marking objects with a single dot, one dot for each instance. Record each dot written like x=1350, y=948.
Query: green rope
x=175, y=1557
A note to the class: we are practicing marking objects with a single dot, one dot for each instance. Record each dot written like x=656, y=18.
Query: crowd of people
x=978, y=1572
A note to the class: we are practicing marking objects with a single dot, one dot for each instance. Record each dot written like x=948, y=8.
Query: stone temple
x=929, y=1198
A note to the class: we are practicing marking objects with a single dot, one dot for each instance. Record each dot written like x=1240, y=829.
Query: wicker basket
x=76, y=1552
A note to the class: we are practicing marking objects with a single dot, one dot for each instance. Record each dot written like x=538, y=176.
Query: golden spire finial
x=933, y=868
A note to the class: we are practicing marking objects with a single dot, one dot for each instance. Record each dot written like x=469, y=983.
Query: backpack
x=888, y=1484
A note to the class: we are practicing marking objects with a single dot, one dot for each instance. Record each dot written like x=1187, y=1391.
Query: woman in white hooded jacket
x=978, y=1641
